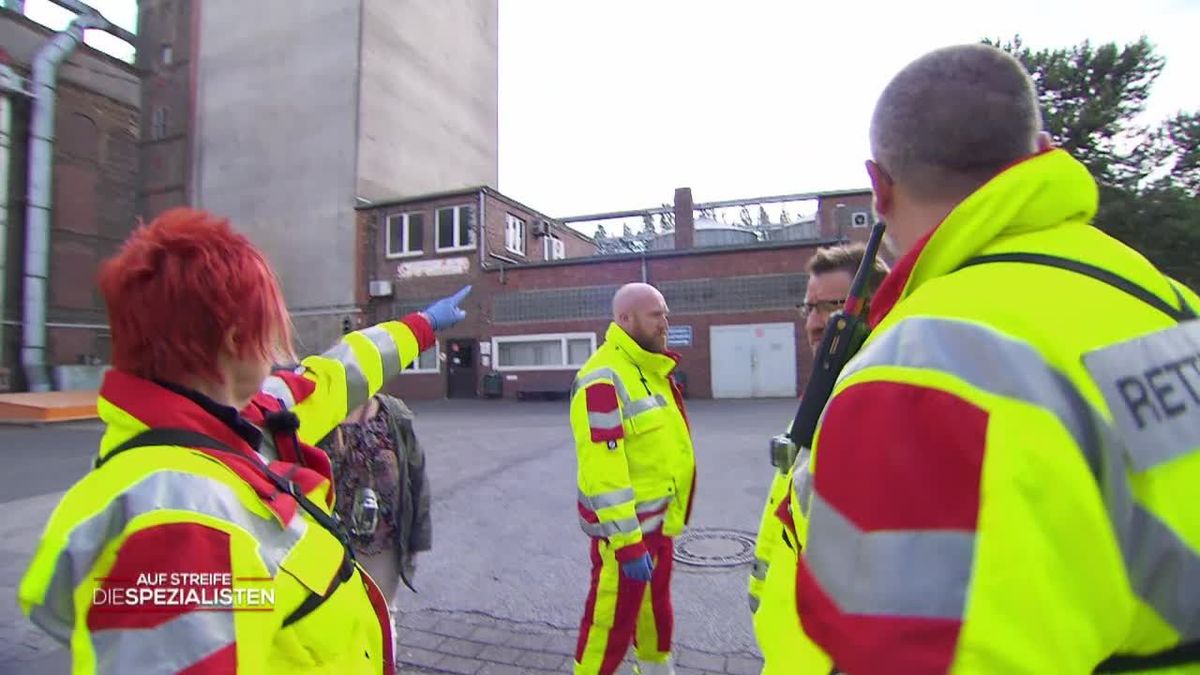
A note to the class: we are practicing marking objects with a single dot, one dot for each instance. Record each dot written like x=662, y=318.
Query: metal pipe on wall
x=37, y=212
x=5, y=158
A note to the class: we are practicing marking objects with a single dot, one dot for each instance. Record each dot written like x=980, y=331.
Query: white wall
x=429, y=116
x=275, y=150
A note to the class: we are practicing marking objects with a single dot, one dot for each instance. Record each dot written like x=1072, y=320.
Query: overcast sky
x=609, y=106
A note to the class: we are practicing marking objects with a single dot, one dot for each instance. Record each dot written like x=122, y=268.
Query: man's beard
x=651, y=341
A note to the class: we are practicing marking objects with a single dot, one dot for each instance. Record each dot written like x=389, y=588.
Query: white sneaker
x=654, y=668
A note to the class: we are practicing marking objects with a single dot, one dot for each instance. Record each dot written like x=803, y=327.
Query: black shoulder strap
x=1183, y=654
x=194, y=439
x=151, y=437
x=1102, y=275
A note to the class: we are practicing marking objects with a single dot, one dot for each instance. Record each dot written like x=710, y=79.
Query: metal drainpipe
x=5, y=141
x=37, y=212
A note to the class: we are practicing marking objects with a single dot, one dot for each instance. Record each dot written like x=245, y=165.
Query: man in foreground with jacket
x=1003, y=479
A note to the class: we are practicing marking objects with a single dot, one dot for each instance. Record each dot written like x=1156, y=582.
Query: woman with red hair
x=203, y=542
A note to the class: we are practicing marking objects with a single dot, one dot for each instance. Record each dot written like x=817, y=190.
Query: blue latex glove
x=639, y=569
x=445, y=312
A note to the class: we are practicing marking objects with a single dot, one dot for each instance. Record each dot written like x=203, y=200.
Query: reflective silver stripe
x=753, y=604
x=629, y=407
x=275, y=386
x=644, y=404
x=1150, y=384
x=171, y=490
x=908, y=573
x=606, y=499
x=357, y=391
x=759, y=569
x=607, y=420
x=1167, y=581
x=1163, y=570
x=652, y=505
x=653, y=523
x=802, y=480
x=608, y=528
x=389, y=351
x=602, y=374
x=166, y=648
x=987, y=360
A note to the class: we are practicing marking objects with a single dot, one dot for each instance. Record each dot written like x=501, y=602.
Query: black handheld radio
x=844, y=336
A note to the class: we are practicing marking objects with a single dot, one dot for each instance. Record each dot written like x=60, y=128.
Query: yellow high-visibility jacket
x=299, y=603
x=1004, y=480
x=636, y=469
x=773, y=581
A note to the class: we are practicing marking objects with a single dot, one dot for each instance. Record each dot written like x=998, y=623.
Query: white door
x=753, y=360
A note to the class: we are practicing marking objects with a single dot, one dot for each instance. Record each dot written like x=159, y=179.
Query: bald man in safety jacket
x=636, y=476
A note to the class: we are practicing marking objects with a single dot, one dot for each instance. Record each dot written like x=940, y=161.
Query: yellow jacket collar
x=1037, y=193
x=661, y=364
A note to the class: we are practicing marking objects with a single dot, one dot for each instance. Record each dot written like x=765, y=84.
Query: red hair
x=179, y=287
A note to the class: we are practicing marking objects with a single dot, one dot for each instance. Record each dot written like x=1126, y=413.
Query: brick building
x=534, y=318
x=95, y=177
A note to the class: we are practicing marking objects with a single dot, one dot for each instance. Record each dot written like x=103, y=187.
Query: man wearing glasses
x=772, y=580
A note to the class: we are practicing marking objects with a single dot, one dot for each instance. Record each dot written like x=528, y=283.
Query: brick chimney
x=685, y=225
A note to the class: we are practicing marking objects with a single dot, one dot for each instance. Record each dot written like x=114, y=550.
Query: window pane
x=445, y=228
x=395, y=234
x=578, y=350
x=466, y=217
x=531, y=353
x=416, y=232
x=428, y=360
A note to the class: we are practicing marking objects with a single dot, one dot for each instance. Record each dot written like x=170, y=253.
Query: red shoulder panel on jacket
x=161, y=549
x=604, y=417
x=895, y=456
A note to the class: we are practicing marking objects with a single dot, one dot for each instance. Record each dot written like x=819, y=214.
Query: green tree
x=1149, y=177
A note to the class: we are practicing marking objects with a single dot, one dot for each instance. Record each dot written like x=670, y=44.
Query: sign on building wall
x=679, y=336
x=442, y=267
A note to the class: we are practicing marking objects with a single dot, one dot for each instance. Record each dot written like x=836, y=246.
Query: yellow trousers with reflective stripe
x=620, y=609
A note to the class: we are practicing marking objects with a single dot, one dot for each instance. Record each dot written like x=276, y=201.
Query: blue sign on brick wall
x=679, y=336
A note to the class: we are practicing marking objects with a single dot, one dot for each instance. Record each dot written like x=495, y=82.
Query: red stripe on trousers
x=589, y=608
x=629, y=601
x=660, y=590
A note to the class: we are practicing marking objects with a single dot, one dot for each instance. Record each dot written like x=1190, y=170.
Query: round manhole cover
x=714, y=548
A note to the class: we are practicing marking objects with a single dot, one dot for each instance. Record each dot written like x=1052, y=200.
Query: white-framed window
x=553, y=248
x=549, y=351
x=514, y=234
x=455, y=228
x=428, y=361
x=405, y=235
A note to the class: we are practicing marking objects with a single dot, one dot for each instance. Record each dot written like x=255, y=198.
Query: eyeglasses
x=822, y=306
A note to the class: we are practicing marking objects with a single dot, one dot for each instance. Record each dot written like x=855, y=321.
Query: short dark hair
x=954, y=118
x=847, y=258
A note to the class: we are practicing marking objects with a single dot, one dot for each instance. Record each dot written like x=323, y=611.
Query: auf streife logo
x=175, y=591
